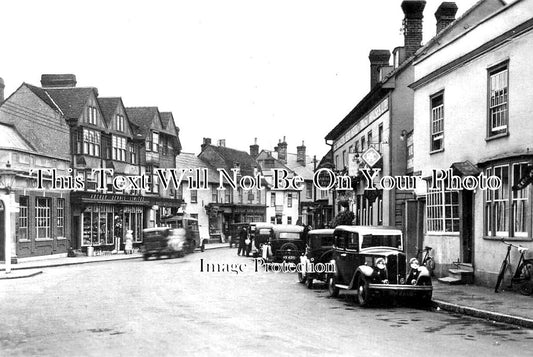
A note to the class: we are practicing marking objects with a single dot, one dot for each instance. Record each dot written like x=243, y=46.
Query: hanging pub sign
x=371, y=156
x=524, y=180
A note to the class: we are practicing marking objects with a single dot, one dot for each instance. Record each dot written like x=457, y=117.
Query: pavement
x=506, y=306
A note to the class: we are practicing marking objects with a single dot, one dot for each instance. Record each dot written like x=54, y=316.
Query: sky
x=226, y=69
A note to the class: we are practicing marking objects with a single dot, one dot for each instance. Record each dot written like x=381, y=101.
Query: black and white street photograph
x=266, y=178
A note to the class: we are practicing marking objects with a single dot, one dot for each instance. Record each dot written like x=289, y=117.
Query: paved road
x=169, y=307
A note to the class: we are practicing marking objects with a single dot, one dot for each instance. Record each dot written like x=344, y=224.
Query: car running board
x=345, y=289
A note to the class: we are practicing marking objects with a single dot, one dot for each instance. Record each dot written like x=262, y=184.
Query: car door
x=352, y=255
x=341, y=256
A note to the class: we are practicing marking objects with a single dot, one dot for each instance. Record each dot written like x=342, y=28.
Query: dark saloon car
x=171, y=242
x=371, y=262
x=318, y=254
x=286, y=243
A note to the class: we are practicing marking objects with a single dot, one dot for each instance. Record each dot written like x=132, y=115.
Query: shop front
x=101, y=221
x=221, y=216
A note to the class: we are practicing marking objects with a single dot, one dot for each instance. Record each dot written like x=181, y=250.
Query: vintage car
x=318, y=253
x=191, y=227
x=370, y=262
x=171, y=242
x=286, y=243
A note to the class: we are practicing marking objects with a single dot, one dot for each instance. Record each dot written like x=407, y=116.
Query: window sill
x=436, y=151
x=507, y=238
x=24, y=240
x=43, y=239
x=440, y=234
x=61, y=238
x=497, y=136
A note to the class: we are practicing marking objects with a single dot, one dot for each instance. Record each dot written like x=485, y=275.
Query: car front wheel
x=363, y=294
x=301, y=278
x=309, y=283
x=332, y=289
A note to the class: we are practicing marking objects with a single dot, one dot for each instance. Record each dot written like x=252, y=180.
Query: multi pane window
x=91, y=142
x=119, y=148
x=240, y=192
x=273, y=199
x=164, y=146
x=289, y=220
x=60, y=214
x=442, y=210
x=155, y=142
x=228, y=195
x=133, y=153
x=23, y=217
x=194, y=196
x=119, y=122
x=42, y=217
x=308, y=190
x=437, y=122
x=498, y=100
x=214, y=194
x=369, y=138
x=250, y=196
x=507, y=210
x=289, y=200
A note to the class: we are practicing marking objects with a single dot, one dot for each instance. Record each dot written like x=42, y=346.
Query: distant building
x=237, y=205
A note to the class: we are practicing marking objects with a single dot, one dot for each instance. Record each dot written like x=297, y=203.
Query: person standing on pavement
x=243, y=235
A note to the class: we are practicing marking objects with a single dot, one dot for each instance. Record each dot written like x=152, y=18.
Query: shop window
x=442, y=210
x=42, y=217
x=23, y=218
x=507, y=211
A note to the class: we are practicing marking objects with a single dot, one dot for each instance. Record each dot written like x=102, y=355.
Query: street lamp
x=7, y=180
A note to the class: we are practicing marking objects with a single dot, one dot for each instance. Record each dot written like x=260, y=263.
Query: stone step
x=451, y=280
x=465, y=276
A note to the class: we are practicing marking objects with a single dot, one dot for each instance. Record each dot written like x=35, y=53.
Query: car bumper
x=400, y=290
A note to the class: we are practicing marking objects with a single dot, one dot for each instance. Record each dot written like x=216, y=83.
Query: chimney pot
x=300, y=154
x=206, y=141
x=445, y=15
x=254, y=149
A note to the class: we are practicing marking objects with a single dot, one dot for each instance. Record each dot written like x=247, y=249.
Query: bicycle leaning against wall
x=523, y=273
x=427, y=260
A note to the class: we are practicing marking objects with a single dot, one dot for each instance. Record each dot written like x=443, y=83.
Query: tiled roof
x=187, y=160
x=108, y=107
x=165, y=118
x=169, y=125
x=142, y=117
x=71, y=100
x=232, y=156
x=41, y=93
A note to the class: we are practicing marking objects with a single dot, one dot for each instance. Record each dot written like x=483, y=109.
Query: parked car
x=318, y=253
x=286, y=243
x=191, y=227
x=234, y=233
x=171, y=242
x=371, y=262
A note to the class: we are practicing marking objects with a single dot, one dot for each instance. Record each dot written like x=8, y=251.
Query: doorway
x=467, y=226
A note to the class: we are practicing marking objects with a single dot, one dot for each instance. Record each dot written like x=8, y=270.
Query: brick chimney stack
x=378, y=59
x=254, y=149
x=300, y=154
x=58, y=80
x=282, y=151
x=207, y=141
x=412, y=25
x=445, y=15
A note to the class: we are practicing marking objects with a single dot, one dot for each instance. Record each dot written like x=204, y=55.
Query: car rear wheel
x=301, y=278
x=363, y=293
x=146, y=256
x=332, y=289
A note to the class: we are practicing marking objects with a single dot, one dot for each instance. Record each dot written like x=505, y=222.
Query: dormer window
x=91, y=115
x=119, y=122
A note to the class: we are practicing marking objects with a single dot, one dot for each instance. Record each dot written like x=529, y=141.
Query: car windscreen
x=375, y=240
x=264, y=231
x=289, y=235
x=155, y=234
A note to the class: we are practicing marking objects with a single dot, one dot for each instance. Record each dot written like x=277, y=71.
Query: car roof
x=155, y=229
x=287, y=228
x=262, y=224
x=322, y=231
x=370, y=229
